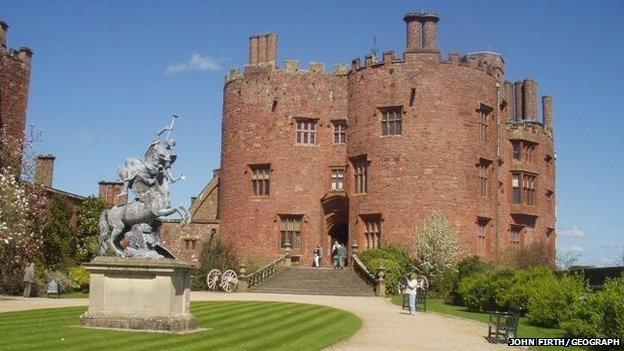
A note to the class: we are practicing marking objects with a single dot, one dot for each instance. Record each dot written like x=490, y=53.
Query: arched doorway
x=336, y=210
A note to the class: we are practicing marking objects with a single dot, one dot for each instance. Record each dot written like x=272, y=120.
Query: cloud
x=197, y=62
x=574, y=231
x=573, y=248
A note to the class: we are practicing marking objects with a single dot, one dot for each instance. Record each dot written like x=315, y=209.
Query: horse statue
x=127, y=230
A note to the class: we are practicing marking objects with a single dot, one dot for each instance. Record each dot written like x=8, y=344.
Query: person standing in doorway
x=342, y=255
x=29, y=278
x=334, y=255
x=318, y=253
x=411, y=289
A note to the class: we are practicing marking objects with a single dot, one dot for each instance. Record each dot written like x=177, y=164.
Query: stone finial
x=292, y=66
x=317, y=67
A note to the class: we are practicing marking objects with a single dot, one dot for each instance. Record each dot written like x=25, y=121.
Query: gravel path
x=385, y=327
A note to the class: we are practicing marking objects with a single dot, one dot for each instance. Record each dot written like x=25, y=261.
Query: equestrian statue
x=130, y=230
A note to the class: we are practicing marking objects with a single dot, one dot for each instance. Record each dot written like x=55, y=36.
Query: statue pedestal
x=142, y=294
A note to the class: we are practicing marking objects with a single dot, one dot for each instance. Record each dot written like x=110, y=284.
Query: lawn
x=236, y=325
x=524, y=330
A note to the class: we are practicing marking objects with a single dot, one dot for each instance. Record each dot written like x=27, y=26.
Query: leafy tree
x=59, y=242
x=216, y=254
x=535, y=254
x=396, y=261
x=436, y=245
x=87, y=234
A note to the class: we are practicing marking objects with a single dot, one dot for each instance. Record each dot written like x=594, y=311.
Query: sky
x=107, y=74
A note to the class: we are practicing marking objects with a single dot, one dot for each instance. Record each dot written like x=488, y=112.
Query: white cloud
x=197, y=62
x=574, y=231
x=573, y=248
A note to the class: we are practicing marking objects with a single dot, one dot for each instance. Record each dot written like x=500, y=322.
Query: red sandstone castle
x=364, y=154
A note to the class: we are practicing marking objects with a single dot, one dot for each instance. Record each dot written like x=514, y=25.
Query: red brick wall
x=431, y=167
x=14, y=83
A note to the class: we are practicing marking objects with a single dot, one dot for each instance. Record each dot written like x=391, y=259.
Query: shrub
x=480, y=292
x=396, y=261
x=599, y=315
x=537, y=254
x=451, y=279
x=550, y=299
x=437, y=245
x=523, y=285
x=216, y=254
x=78, y=279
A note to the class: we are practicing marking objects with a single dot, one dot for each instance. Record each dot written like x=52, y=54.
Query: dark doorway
x=340, y=233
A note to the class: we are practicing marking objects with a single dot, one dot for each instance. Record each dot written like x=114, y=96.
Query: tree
x=59, y=242
x=87, y=240
x=436, y=245
x=22, y=215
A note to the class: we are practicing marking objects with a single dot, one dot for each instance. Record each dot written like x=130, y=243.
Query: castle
x=364, y=154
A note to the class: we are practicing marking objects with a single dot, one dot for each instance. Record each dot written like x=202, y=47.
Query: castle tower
x=364, y=155
x=14, y=83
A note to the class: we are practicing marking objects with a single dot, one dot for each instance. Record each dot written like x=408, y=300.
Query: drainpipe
x=498, y=157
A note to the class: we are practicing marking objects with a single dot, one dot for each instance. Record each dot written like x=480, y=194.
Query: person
x=411, y=289
x=335, y=255
x=29, y=278
x=342, y=255
x=318, y=253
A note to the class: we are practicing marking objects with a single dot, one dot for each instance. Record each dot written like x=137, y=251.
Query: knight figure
x=128, y=230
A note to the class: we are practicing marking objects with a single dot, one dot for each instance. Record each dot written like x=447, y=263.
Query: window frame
x=292, y=233
x=306, y=131
x=392, y=120
x=372, y=231
x=337, y=176
x=340, y=131
x=360, y=174
x=483, y=122
x=260, y=179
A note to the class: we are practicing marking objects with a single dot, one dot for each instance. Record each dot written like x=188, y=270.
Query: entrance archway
x=336, y=211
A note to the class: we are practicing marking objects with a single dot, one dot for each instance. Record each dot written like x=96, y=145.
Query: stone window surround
x=391, y=120
x=260, y=179
x=306, y=131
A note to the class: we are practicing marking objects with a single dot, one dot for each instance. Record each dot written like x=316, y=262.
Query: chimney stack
x=44, y=170
x=3, y=34
x=109, y=192
x=263, y=50
x=519, y=112
x=529, y=99
x=547, y=111
x=422, y=32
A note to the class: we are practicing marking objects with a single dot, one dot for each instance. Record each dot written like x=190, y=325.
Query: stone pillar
x=529, y=99
x=355, y=251
x=243, y=282
x=253, y=51
x=44, y=170
x=288, y=261
x=381, y=282
x=414, y=31
x=430, y=31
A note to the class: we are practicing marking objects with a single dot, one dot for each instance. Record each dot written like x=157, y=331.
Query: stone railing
x=378, y=283
x=246, y=281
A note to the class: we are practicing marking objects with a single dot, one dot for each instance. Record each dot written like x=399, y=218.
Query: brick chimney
x=422, y=32
x=529, y=99
x=547, y=111
x=3, y=34
x=414, y=31
x=263, y=50
x=430, y=31
x=518, y=109
x=44, y=170
x=109, y=192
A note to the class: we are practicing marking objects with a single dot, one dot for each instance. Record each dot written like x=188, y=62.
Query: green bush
x=523, y=285
x=78, y=279
x=481, y=292
x=447, y=284
x=215, y=254
x=550, y=299
x=600, y=315
x=396, y=261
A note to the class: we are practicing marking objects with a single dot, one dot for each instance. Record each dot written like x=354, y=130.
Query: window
x=523, y=188
x=191, y=244
x=482, y=224
x=260, y=179
x=484, y=112
x=515, y=235
x=523, y=150
x=391, y=121
x=483, y=177
x=340, y=132
x=290, y=230
x=337, y=179
x=360, y=166
x=306, y=131
x=372, y=233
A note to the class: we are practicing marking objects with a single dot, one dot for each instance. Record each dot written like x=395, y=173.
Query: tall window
x=523, y=188
x=372, y=233
x=517, y=150
x=340, y=132
x=482, y=224
x=360, y=166
x=337, y=179
x=306, y=131
x=191, y=244
x=523, y=150
x=484, y=112
x=260, y=175
x=515, y=235
x=290, y=231
x=392, y=121
x=483, y=177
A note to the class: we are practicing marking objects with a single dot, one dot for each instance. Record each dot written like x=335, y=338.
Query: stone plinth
x=139, y=294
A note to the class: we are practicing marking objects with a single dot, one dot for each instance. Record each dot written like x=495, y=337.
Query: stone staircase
x=315, y=281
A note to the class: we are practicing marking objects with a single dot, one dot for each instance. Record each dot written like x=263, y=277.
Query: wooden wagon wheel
x=212, y=280
x=229, y=281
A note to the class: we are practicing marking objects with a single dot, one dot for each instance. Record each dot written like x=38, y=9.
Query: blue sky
x=108, y=73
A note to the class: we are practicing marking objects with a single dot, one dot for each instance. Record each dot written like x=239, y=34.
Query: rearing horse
x=153, y=202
